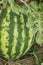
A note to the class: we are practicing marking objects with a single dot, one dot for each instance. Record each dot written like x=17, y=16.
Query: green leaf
x=15, y=8
x=41, y=6
x=34, y=5
x=4, y=2
x=39, y=36
x=30, y=22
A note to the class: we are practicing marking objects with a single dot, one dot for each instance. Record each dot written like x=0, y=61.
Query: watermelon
x=15, y=38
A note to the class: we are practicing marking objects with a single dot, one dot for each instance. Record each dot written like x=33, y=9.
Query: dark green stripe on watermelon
x=19, y=39
x=2, y=16
x=11, y=31
x=26, y=35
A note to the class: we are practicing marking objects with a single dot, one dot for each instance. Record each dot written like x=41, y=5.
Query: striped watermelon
x=15, y=37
